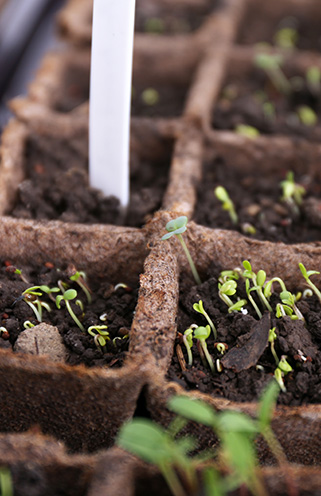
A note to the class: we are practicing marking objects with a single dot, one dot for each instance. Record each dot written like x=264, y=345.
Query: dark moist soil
x=242, y=102
x=257, y=29
x=119, y=306
x=57, y=188
x=247, y=340
x=155, y=19
x=257, y=200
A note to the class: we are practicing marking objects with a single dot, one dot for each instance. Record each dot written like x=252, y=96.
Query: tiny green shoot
x=307, y=116
x=80, y=278
x=202, y=333
x=67, y=297
x=286, y=38
x=268, y=288
x=307, y=274
x=272, y=339
x=227, y=204
x=101, y=336
x=247, y=131
x=282, y=369
x=292, y=192
x=271, y=65
x=198, y=307
x=177, y=227
x=150, y=97
x=289, y=299
x=6, y=483
x=188, y=342
x=31, y=297
x=227, y=289
x=313, y=78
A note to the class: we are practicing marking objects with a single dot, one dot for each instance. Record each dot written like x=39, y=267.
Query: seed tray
x=199, y=61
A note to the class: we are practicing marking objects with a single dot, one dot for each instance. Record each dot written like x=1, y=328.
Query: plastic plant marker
x=110, y=95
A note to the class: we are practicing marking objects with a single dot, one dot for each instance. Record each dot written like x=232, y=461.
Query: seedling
x=67, y=297
x=202, y=333
x=153, y=444
x=307, y=116
x=286, y=38
x=268, y=288
x=80, y=278
x=198, y=307
x=288, y=299
x=313, y=77
x=282, y=369
x=154, y=25
x=31, y=297
x=177, y=227
x=228, y=275
x=14, y=270
x=6, y=484
x=227, y=204
x=188, y=342
x=28, y=325
x=250, y=297
x=248, y=228
x=292, y=192
x=307, y=274
x=271, y=65
x=272, y=338
x=226, y=290
x=150, y=97
x=221, y=347
x=247, y=131
x=101, y=336
x=258, y=281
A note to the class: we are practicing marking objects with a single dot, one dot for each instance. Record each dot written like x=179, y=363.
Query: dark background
x=27, y=32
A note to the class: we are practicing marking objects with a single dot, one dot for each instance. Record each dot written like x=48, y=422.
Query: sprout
x=198, y=307
x=283, y=369
x=150, y=97
x=306, y=274
x=307, y=116
x=154, y=25
x=100, y=335
x=202, y=333
x=247, y=131
x=67, y=296
x=292, y=193
x=188, y=342
x=177, y=227
x=248, y=228
x=221, y=347
x=271, y=64
x=286, y=38
x=272, y=338
x=80, y=278
x=28, y=325
x=227, y=204
x=226, y=290
x=289, y=299
x=30, y=296
x=313, y=77
x=269, y=286
x=258, y=281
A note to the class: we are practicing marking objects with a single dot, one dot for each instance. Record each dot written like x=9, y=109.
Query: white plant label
x=110, y=96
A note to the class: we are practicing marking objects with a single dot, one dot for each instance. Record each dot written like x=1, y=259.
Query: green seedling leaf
x=239, y=450
x=145, y=439
x=202, y=333
x=213, y=482
x=191, y=409
x=284, y=365
x=307, y=115
x=267, y=405
x=237, y=307
x=261, y=277
x=229, y=288
x=230, y=421
x=70, y=294
x=247, y=131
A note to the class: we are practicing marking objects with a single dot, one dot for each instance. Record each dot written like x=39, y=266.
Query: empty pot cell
x=278, y=202
x=288, y=24
x=56, y=179
x=283, y=98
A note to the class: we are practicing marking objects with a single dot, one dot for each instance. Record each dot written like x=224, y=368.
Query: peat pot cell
x=283, y=100
x=91, y=318
x=56, y=184
x=172, y=17
x=253, y=337
x=266, y=202
x=286, y=24
x=63, y=84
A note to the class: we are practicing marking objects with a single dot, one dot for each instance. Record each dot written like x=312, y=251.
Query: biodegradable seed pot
x=264, y=214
